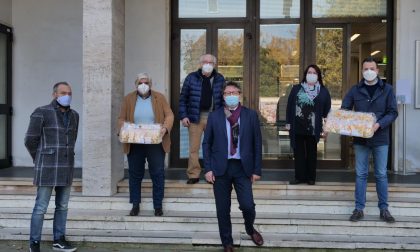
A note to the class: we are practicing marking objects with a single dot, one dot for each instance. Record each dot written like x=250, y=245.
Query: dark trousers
x=222, y=193
x=305, y=158
x=155, y=156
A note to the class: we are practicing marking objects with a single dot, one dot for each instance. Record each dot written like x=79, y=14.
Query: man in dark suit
x=232, y=155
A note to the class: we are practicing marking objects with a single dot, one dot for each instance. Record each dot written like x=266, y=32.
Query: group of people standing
x=232, y=143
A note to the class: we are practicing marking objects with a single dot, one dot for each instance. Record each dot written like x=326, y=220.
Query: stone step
x=25, y=186
x=240, y=239
x=261, y=189
x=295, y=204
x=206, y=221
x=281, y=188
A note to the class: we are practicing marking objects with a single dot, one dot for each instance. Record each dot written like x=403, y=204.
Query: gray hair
x=202, y=56
x=56, y=85
x=143, y=76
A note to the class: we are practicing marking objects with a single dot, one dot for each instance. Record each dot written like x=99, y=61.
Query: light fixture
x=375, y=52
x=354, y=36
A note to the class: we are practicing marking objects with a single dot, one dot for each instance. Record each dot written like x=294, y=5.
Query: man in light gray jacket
x=50, y=140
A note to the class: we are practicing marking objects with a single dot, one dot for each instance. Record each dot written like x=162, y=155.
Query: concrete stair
x=288, y=216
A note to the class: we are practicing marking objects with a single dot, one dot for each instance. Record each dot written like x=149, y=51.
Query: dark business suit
x=233, y=171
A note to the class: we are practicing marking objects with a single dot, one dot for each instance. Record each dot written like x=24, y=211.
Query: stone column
x=103, y=88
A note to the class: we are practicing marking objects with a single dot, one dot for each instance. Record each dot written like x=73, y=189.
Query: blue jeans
x=380, y=160
x=62, y=196
x=155, y=156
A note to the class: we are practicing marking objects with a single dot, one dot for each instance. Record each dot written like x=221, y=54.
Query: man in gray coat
x=50, y=140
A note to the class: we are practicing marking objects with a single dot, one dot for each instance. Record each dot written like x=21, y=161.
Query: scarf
x=233, y=117
x=206, y=92
x=311, y=91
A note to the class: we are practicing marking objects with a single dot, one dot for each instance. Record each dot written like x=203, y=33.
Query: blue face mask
x=232, y=100
x=64, y=100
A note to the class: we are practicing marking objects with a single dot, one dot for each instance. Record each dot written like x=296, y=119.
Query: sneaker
x=34, y=247
x=386, y=216
x=357, y=215
x=63, y=245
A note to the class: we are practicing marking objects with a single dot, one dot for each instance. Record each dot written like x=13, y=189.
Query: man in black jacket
x=200, y=94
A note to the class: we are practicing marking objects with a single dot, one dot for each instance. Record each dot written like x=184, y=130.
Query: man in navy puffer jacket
x=374, y=96
x=201, y=93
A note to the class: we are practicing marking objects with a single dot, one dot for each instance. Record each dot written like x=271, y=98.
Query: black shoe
x=63, y=245
x=34, y=247
x=158, y=212
x=386, y=216
x=357, y=215
x=311, y=182
x=135, y=211
x=193, y=181
x=295, y=182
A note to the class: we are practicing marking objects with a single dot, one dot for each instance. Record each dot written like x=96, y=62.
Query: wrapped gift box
x=140, y=133
x=350, y=123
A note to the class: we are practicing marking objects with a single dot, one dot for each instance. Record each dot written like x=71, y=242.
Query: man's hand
x=185, y=122
x=209, y=177
x=163, y=131
x=255, y=178
x=376, y=126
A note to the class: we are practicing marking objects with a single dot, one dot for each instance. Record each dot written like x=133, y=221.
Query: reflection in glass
x=3, y=68
x=346, y=8
x=211, y=8
x=280, y=8
x=279, y=70
x=230, y=47
x=3, y=134
x=329, y=58
x=193, y=45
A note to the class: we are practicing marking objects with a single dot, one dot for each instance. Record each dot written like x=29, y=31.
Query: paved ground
x=12, y=246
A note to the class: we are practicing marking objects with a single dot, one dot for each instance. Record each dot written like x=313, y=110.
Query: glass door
x=279, y=69
x=227, y=43
x=331, y=57
x=5, y=95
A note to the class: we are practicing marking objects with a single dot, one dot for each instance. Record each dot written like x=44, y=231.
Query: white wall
x=6, y=12
x=407, y=19
x=147, y=45
x=47, y=48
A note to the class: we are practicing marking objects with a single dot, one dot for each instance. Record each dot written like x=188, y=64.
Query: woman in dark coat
x=308, y=103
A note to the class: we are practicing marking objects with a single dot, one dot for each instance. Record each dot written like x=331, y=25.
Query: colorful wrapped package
x=140, y=133
x=350, y=123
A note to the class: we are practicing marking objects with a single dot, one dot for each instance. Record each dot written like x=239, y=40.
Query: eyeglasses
x=144, y=82
x=232, y=93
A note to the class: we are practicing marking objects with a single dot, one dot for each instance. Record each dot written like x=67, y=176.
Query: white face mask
x=207, y=68
x=143, y=88
x=369, y=75
x=311, y=78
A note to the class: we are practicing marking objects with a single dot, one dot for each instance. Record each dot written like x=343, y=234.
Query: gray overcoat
x=51, y=145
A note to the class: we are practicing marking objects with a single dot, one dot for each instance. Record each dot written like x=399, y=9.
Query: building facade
x=100, y=45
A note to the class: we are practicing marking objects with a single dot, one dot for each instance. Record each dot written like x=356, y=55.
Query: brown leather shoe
x=257, y=238
x=228, y=248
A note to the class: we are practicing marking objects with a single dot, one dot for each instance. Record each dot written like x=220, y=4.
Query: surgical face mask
x=207, y=68
x=232, y=100
x=369, y=75
x=64, y=100
x=143, y=88
x=311, y=78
